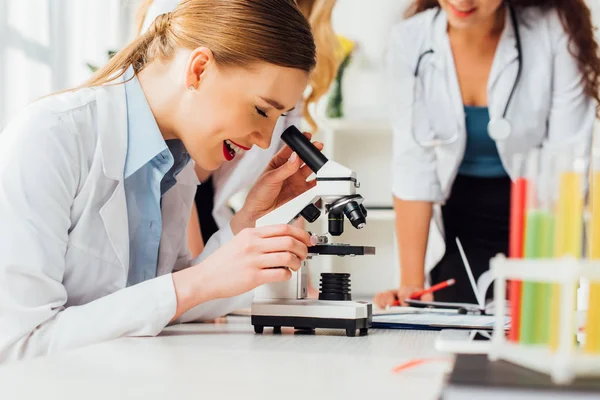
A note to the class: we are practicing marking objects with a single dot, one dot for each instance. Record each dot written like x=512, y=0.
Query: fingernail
x=293, y=157
x=313, y=240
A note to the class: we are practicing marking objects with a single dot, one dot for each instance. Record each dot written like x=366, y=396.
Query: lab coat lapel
x=438, y=36
x=176, y=211
x=445, y=60
x=505, y=60
x=112, y=127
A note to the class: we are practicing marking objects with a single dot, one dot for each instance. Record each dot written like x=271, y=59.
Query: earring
x=192, y=88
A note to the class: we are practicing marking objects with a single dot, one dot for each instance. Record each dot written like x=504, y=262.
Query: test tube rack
x=568, y=361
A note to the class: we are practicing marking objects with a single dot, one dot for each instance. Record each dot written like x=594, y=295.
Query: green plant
x=335, y=105
x=94, y=68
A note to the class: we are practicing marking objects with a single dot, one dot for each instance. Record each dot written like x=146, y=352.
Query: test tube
x=592, y=327
x=570, y=178
x=569, y=207
x=518, y=196
x=545, y=243
x=529, y=315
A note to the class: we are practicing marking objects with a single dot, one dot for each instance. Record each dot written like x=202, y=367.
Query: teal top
x=481, y=157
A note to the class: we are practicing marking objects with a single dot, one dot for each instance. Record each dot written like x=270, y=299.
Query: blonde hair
x=318, y=13
x=238, y=32
x=140, y=15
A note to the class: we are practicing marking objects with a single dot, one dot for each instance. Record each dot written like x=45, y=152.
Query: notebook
x=427, y=320
x=475, y=377
x=480, y=289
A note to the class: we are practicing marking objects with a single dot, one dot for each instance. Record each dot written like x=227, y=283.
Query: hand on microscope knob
x=283, y=180
x=254, y=257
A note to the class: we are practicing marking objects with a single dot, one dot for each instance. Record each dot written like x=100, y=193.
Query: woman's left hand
x=284, y=179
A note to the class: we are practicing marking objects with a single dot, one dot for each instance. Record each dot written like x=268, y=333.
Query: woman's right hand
x=399, y=296
x=252, y=258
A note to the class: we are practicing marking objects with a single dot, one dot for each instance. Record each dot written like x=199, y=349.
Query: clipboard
x=461, y=308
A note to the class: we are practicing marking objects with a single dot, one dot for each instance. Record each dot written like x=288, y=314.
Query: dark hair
x=576, y=18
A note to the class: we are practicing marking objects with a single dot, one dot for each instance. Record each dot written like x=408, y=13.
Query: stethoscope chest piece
x=499, y=129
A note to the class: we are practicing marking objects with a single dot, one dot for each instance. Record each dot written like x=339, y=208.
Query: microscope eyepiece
x=304, y=148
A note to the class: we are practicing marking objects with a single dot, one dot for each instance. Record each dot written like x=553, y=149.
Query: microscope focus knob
x=311, y=213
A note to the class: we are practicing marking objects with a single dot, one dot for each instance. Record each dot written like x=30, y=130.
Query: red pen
x=434, y=288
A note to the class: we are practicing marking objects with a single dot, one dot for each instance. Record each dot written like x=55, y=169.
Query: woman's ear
x=198, y=62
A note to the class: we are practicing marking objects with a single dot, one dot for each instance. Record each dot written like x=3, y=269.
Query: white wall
x=45, y=45
x=368, y=23
x=595, y=7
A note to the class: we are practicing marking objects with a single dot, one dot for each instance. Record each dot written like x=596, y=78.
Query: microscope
x=286, y=303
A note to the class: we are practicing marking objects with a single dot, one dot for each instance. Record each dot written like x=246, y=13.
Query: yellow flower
x=346, y=47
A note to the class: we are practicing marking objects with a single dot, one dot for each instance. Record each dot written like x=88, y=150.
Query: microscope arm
x=288, y=212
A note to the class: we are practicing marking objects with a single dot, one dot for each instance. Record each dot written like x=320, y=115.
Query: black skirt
x=204, y=199
x=477, y=212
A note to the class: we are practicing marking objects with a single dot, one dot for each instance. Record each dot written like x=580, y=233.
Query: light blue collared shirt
x=150, y=170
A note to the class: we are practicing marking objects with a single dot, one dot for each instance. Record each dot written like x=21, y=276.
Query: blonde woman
x=97, y=187
x=219, y=186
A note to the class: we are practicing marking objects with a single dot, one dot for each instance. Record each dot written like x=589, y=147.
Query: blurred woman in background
x=474, y=83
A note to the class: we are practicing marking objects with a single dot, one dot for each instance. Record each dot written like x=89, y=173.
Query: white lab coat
x=549, y=106
x=240, y=174
x=64, y=239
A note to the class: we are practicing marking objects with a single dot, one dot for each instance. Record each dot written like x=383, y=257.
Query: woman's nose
x=263, y=139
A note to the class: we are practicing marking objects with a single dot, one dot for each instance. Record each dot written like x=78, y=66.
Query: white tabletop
x=227, y=360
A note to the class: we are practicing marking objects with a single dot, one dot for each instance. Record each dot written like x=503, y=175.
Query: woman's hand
x=284, y=179
x=252, y=258
x=398, y=297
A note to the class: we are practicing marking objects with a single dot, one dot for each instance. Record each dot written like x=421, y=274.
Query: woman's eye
x=261, y=112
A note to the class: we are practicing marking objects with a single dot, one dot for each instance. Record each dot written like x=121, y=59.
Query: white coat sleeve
x=414, y=169
x=219, y=307
x=572, y=111
x=39, y=178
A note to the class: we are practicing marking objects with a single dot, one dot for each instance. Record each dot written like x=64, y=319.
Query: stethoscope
x=498, y=128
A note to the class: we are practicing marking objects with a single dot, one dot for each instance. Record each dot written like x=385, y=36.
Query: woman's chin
x=215, y=166
x=209, y=165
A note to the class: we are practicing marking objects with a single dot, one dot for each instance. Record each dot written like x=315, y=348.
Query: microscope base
x=311, y=314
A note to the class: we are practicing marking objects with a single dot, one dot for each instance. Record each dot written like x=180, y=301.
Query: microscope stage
x=308, y=314
x=341, y=250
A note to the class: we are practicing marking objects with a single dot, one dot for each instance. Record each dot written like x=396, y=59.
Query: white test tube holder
x=568, y=361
